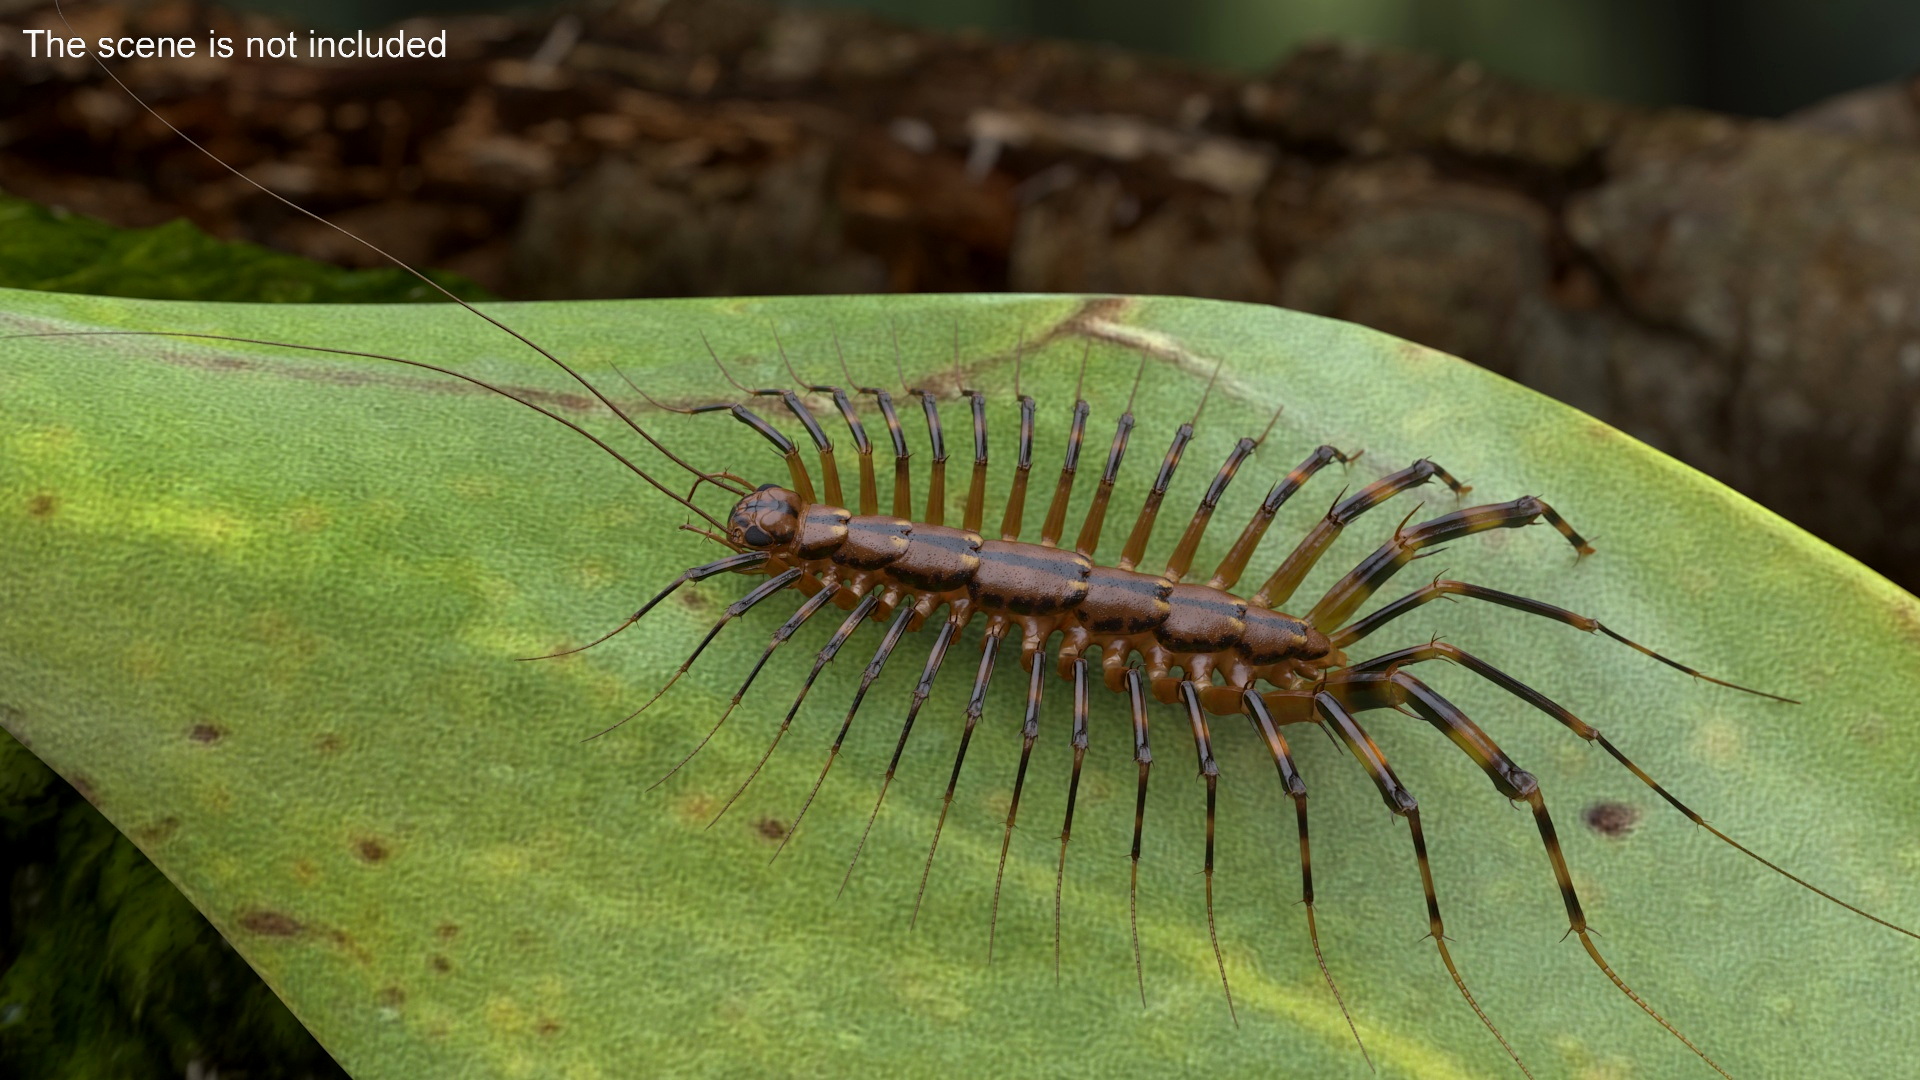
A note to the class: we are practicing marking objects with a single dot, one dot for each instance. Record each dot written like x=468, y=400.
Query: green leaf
x=58, y=251
x=264, y=607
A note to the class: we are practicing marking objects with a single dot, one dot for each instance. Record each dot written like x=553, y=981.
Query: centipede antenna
x=1029, y=731
x=1210, y=772
x=481, y=383
x=385, y=254
x=921, y=691
x=976, y=703
x=832, y=648
x=895, y=630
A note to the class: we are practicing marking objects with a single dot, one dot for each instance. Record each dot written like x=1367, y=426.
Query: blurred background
x=1751, y=57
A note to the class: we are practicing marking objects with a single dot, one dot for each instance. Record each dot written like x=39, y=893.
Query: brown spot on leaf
x=206, y=733
x=770, y=829
x=305, y=872
x=271, y=923
x=1611, y=819
x=42, y=505
x=371, y=850
x=391, y=997
x=446, y=931
x=547, y=1026
x=158, y=832
x=440, y=963
x=329, y=742
x=695, y=600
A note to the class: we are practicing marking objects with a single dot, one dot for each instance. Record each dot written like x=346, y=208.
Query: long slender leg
x=1441, y=650
x=1136, y=545
x=1010, y=518
x=937, y=477
x=1073, y=792
x=734, y=610
x=1235, y=563
x=1401, y=802
x=1383, y=690
x=1295, y=788
x=895, y=631
x=1294, y=568
x=976, y=703
x=902, y=476
x=786, y=630
x=869, y=493
x=1029, y=731
x=1096, y=520
x=829, y=472
x=744, y=561
x=1360, y=628
x=1182, y=558
x=1210, y=772
x=827, y=652
x=1143, y=757
x=977, y=484
x=921, y=691
x=1063, y=489
x=1347, y=594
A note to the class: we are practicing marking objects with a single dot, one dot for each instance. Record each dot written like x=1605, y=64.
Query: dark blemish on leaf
x=42, y=505
x=391, y=997
x=271, y=923
x=525, y=940
x=158, y=832
x=329, y=742
x=370, y=850
x=1611, y=819
x=206, y=733
x=547, y=1026
x=770, y=829
x=305, y=872
x=440, y=963
x=446, y=931
x=695, y=600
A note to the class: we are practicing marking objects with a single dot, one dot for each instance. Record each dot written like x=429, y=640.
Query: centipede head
x=768, y=517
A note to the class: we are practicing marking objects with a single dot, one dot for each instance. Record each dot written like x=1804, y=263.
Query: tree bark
x=1742, y=294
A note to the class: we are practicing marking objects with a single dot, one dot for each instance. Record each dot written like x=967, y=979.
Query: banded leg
x=937, y=480
x=1351, y=591
x=1029, y=731
x=1210, y=772
x=976, y=704
x=825, y=656
x=921, y=691
x=1230, y=568
x=1063, y=488
x=1011, y=517
x=1096, y=520
x=1401, y=803
x=745, y=560
x=734, y=610
x=1290, y=782
x=1294, y=568
x=1143, y=757
x=796, y=468
x=823, y=446
x=1136, y=545
x=1360, y=628
x=1392, y=690
x=902, y=476
x=786, y=630
x=977, y=484
x=863, y=447
x=1080, y=707
x=1441, y=650
x=1182, y=558
x=895, y=631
